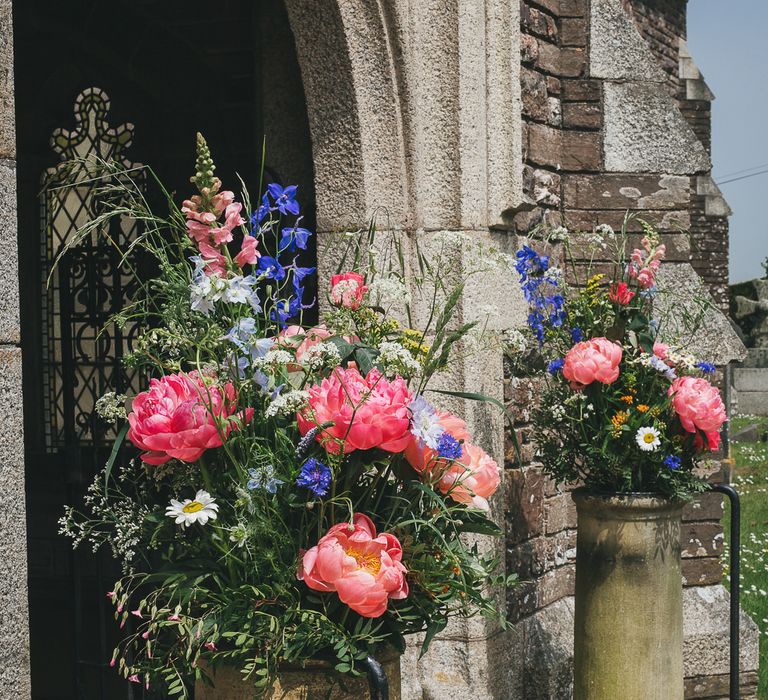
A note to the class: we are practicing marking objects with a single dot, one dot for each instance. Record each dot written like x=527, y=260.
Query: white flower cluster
x=388, y=291
x=682, y=360
x=273, y=358
x=395, y=359
x=111, y=407
x=559, y=235
x=515, y=340
x=602, y=234
x=287, y=404
x=207, y=289
x=558, y=412
x=321, y=356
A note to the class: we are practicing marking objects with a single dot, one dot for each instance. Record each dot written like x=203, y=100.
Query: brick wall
x=564, y=175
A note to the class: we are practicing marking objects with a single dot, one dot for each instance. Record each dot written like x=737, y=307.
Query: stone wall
x=616, y=116
x=14, y=637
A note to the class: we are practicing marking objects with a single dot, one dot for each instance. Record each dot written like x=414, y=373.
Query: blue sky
x=729, y=46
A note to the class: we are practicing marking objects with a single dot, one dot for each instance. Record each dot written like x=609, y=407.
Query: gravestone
x=749, y=309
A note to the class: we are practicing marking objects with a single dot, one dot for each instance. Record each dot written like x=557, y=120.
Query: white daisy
x=648, y=439
x=201, y=509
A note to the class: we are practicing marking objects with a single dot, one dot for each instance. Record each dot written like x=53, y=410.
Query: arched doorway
x=169, y=68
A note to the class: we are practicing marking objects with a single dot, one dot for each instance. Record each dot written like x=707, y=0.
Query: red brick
x=578, y=115
x=701, y=539
x=581, y=90
x=573, y=32
x=702, y=571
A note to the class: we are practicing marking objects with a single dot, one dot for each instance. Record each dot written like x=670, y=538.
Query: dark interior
x=171, y=68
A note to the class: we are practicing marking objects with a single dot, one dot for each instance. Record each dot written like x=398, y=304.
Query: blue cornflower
x=706, y=367
x=315, y=476
x=672, y=463
x=271, y=268
x=264, y=478
x=448, y=447
x=576, y=335
x=295, y=237
x=555, y=366
x=285, y=198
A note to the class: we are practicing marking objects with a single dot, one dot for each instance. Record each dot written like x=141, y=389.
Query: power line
x=743, y=177
x=745, y=170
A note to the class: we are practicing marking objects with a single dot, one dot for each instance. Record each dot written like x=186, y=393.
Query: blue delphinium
x=293, y=238
x=264, y=478
x=547, y=306
x=672, y=463
x=706, y=367
x=448, y=447
x=315, y=476
x=555, y=366
x=271, y=268
x=576, y=335
x=285, y=198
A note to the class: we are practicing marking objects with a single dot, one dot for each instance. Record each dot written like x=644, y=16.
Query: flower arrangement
x=622, y=412
x=296, y=495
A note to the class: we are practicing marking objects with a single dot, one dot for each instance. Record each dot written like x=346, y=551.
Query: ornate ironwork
x=85, y=279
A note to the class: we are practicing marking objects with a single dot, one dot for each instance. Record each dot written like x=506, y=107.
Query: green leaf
x=435, y=627
x=366, y=359
x=113, y=455
x=345, y=348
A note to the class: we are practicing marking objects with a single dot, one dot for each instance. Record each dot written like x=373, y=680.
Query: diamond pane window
x=84, y=281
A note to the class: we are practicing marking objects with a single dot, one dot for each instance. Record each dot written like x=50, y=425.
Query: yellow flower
x=593, y=283
x=642, y=407
x=627, y=399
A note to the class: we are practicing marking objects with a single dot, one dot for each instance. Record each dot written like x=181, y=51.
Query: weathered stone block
x=702, y=571
x=581, y=90
x=7, y=101
x=10, y=331
x=524, y=502
x=573, y=31
x=706, y=506
x=644, y=131
x=559, y=513
x=534, y=94
x=627, y=191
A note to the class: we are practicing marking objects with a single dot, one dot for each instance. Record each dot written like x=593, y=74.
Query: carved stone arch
x=350, y=84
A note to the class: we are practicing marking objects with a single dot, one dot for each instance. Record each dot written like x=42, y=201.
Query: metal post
x=377, y=679
x=735, y=583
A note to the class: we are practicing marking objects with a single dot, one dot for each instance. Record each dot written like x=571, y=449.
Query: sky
x=731, y=52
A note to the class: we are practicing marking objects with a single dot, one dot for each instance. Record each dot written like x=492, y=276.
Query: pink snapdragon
x=644, y=264
x=365, y=412
x=365, y=569
x=699, y=407
x=595, y=360
x=181, y=416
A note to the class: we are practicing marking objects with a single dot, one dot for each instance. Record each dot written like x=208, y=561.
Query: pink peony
x=699, y=407
x=365, y=570
x=248, y=254
x=177, y=417
x=472, y=479
x=661, y=350
x=366, y=412
x=348, y=290
x=593, y=360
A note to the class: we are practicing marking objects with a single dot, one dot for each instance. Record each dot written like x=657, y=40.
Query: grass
x=751, y=481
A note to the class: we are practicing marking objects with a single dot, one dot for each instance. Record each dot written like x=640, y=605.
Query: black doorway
x=170, y=68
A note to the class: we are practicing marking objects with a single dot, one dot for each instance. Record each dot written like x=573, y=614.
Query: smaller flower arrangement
x=621, y=411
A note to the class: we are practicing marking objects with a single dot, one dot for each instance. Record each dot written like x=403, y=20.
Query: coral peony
x=699, y=407
x=472, y=479
x=177, y=417
x=419, y=455
x=592, y=360
x=364, y=568
x=348, y=290
x=620, y=294
x=366, y=412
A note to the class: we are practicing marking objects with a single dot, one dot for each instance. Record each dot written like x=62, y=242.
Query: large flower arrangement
x=296, y=495
x=622, y=412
